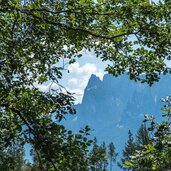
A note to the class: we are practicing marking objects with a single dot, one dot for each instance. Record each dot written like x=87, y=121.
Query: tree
x=128, y=152
x=132, y=146
x=142, y=137
x=156, y=154
x=103, y=157
x=94, y=156
x=98, y=157
x=36, y=35
x=12, y=158
x=69, y=154
x=112, y=154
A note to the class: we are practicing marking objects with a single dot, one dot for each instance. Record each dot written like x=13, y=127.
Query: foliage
x=112, y=154
x=99, y=156
x=129, y=150
x=156, y=154
x=36, y=35
x=132, y=146
x=12, y=158
x=95, y=156
x=142, y=137
x=70, y=153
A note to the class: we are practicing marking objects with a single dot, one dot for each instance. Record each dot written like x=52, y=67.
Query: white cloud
x=73, y=68
x=168, y=63
x=77, y=93
x=79, y=76
x=86, y=69
x=41, y=87
x=73, y=81
x=46, y=88
x=83, y=82
x=87, y=53
x=100, y=74
x=77, y=81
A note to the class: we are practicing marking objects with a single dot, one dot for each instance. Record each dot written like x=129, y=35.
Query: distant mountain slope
x=114, y=105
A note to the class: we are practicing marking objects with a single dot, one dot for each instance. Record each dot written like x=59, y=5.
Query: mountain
x=114, y=105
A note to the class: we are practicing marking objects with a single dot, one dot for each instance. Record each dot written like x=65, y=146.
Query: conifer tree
x=98, y=157
x=155, y=155
x=103, y=162
x=94, y=155
x=129, y=150
x=142, y=137
x=112, y=154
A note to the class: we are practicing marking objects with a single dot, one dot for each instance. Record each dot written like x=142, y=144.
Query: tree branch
x=76, y=29
x=73, y=11
x=40, y=161
x=31, y=131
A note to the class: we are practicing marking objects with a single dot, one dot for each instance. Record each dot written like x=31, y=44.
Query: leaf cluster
x=155, y=155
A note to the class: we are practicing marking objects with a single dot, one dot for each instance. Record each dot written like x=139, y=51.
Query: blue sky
x=76, y=79
x=79, y=73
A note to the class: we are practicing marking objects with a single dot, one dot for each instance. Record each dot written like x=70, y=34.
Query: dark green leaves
x=35, y=36
x=155, y=153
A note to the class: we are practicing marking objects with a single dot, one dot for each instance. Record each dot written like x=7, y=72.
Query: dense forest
x=35, y=36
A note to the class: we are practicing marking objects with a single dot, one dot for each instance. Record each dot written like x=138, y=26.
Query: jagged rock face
x=116, y=104
x=117, y=99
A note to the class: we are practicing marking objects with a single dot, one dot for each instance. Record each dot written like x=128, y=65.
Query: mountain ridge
x=114, y=105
